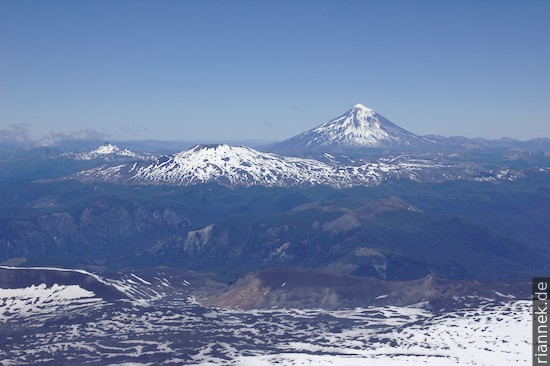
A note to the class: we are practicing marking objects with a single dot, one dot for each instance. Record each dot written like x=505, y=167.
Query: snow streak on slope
x=360, y=127
x=243, y=166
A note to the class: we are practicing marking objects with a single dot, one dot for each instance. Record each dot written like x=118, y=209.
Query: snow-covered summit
x=108, y=152
x=363, y=108
x=230, y=165
x=359, y=127
x=109, y=149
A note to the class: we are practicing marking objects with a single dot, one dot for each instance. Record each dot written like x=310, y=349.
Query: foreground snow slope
x=52, y=324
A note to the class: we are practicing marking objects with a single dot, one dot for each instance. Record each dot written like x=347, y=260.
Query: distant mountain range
x=358, y=148
x=360, y=130
x=242, y=166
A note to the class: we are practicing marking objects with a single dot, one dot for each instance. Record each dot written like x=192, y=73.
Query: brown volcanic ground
x=301, y=288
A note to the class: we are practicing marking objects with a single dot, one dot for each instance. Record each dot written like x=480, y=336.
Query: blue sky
x=233, y=70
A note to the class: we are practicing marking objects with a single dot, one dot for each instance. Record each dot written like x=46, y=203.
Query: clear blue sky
x=228, y=70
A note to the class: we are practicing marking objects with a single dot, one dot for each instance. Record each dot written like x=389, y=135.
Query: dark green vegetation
x=402, y=230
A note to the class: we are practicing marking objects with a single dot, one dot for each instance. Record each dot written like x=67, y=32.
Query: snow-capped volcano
x=108, y=152
x=234, y=165
x=358, y=128
x=240, y=166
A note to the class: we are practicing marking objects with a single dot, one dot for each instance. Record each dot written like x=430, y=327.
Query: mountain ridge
x=243, y=166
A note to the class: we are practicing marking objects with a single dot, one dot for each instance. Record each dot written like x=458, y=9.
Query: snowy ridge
x=243, y=166
x=55, y=269
x=129, y=286
x=360, y=127
x=64, y=286
x=108, y=152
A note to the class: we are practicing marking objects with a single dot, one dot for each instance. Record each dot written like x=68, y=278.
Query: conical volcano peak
x=360, y=127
